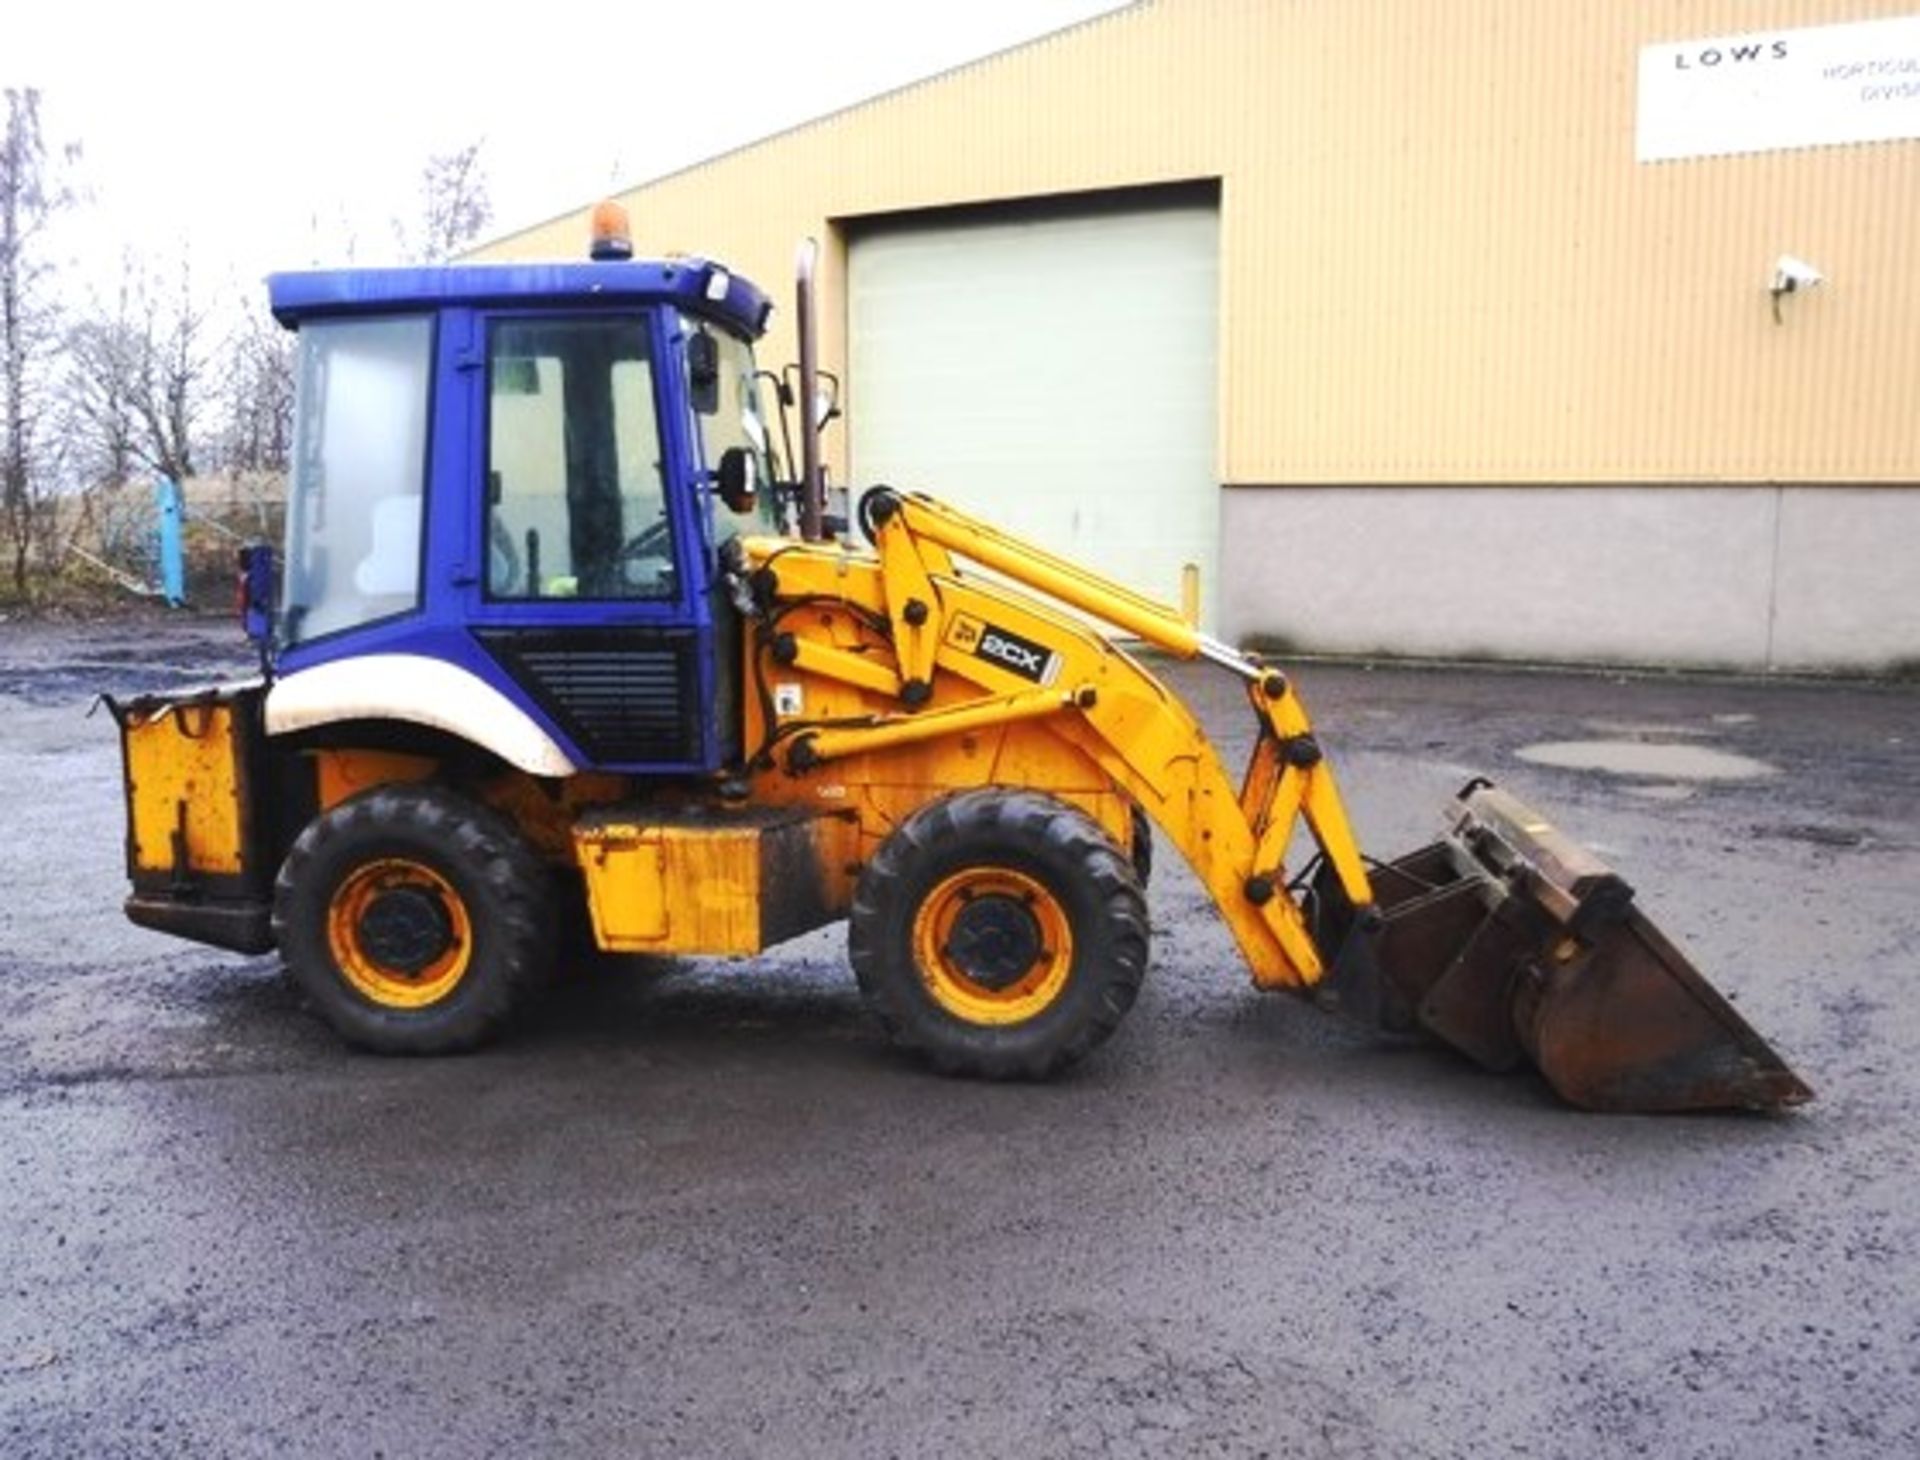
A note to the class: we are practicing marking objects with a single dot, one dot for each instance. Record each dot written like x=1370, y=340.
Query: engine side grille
x=623, y=696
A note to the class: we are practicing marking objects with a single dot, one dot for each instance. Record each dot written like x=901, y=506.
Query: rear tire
x=999, y=934
x=416, y=920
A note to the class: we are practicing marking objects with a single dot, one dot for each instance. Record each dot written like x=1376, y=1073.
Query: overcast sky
x=260, y=135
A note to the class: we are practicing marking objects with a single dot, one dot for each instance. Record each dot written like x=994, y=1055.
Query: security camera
x=1790, y=273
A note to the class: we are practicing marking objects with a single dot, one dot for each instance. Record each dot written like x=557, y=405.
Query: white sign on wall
x=1774, y=89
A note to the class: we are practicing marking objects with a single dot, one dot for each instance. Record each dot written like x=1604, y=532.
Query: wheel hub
x=996, y=940
x=993, y=945
x=405, y=929
x=399, y=933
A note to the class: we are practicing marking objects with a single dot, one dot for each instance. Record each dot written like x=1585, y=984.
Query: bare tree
x=30, y=195
x=104, y=355
x=154, y=384
x=455, y=205
x=157, y=383
x=257, y=391
x=174, y=362
x=141, y=374
x=254, y=435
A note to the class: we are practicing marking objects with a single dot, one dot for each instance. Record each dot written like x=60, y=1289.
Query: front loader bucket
x=1632, y=1025
x=1511, y=942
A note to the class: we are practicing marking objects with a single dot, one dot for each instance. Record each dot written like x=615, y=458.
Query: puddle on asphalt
x=1643, y=730
x=1651, y=760
x=1662, y=791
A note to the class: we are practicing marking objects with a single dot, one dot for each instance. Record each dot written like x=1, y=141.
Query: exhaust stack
x=812, y=483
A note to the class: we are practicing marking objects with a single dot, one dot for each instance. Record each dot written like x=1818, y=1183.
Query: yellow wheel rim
x=399, y=933
x=993, y=945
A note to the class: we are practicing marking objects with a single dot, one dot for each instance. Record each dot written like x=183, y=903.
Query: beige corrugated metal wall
x=1440, y=261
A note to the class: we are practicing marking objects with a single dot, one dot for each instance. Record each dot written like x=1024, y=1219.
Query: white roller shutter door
x=1055, y=375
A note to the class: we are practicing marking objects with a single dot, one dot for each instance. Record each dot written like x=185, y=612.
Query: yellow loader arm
x=1107, y=703
x=1504, y=939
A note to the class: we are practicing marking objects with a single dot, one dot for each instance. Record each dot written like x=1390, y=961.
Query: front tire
x=1142, y=851
x=417, y=921
x=999, y=934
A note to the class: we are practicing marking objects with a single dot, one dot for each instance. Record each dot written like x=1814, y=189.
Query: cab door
x=592, y=587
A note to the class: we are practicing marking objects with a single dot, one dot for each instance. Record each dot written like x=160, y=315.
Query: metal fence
x=176, y=543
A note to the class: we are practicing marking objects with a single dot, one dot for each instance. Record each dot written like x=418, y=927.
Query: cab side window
x=359, y=469
x=576, y=492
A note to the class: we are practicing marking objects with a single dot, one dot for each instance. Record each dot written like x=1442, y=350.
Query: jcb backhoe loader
x=552, y=641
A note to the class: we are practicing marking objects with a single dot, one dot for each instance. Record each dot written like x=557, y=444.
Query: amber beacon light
x=612, y=232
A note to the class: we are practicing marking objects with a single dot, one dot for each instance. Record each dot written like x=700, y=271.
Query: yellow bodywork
x=656, y=884
x=878, y=682
x=185, y=798
x=1060, y=709
x=339, y=774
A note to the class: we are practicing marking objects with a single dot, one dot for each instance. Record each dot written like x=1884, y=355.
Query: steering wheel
x=643, y=549
x=646, y=542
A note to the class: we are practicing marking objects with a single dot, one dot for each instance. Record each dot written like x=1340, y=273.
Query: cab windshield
x=730, y=411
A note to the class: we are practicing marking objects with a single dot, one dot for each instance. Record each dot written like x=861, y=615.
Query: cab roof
x=699, y=286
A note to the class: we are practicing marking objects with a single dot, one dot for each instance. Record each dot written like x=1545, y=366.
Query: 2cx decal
x=1017, y=655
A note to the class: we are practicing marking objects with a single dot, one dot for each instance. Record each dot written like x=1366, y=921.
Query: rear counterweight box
x=201, y=836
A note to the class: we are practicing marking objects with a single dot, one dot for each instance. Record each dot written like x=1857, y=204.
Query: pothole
x=1647, y=759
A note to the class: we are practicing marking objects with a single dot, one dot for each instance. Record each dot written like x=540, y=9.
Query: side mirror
x=703, y=372
x=254, y=592
x=737, y=479
x=826, y=400
x=825, y=405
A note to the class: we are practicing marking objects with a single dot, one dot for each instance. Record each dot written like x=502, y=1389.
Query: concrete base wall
x=1725, y=577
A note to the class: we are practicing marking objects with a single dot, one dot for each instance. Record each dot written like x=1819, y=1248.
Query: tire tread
x=1033, y=827
x=510, y=894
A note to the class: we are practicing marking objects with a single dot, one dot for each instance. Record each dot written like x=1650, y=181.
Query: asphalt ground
x=703, y=1209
